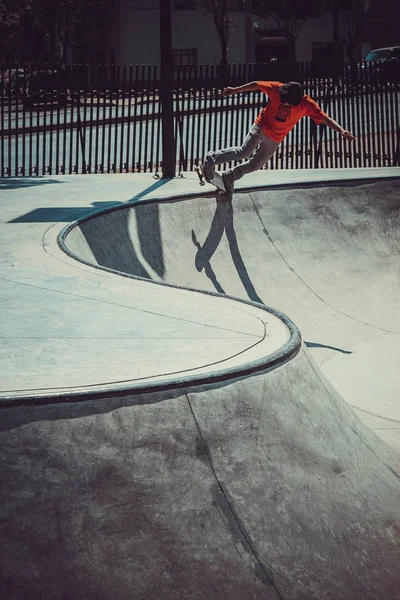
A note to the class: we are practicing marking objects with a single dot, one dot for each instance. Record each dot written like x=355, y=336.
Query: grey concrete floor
x=263, y=484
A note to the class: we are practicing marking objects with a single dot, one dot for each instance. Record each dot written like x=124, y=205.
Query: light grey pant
x=256, y=140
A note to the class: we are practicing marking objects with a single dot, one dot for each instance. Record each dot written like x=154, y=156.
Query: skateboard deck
x=217, y=180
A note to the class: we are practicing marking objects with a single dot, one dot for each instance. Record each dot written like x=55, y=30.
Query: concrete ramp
x=264, y=488
x=261, y=485
x=327, y=255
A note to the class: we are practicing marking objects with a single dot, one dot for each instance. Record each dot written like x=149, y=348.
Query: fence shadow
x=15, y=183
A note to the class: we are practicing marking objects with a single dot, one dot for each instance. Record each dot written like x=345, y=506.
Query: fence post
x=166, y=90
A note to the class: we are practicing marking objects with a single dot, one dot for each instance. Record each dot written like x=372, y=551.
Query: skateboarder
x=287, y=105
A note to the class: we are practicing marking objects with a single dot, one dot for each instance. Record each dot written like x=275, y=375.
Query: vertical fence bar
x=36, y=102
x=69, y=137
x=375, y=92
x=77, y=130
x=177, y=114
x=97, y=96
x=2, y=96
x=391, y=127
x=362, y=129
x=349, y=125
x=357, y=130
x=60, y=100
x=129, y=123
x=152, y=116
x=90, y=162
x=210, y=144
x=193, y=114
x=107, y=97
x=336, y=139
x=213, y=110
x=158, y=149
x=17, y=95
x=397, y=127
x=52, y=97
x=110, y=107
x=84, y=122
x=382, y=125
x=45, y=96
x=184, y=122
x=204, y=148
x=147, y=143
x=67, y=100
x=198, y=103
x=9, y=173
x=122, y=136
x=218, y=106
x=240, y=104
x=370, y=119
x=113, y=120
x=135, y=118
x=236, y=112
x=142, y=81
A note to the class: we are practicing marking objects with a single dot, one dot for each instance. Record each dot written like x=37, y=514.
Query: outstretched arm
x=336, y=127
x=247, y=87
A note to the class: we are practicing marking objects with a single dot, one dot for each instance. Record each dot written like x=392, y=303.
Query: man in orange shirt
x=287, y=105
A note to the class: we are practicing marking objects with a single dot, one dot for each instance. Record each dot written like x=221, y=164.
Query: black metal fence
x=107, y=119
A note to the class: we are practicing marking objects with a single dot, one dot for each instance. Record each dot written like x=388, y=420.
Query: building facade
x=133, y=34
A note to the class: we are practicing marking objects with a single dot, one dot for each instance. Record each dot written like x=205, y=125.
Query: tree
x=11, y=27
x=349, y=16
x=289, y=16
x=219, y=10
x=43, y=29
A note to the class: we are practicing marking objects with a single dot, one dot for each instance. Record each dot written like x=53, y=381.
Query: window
x=185, y=4
x=184, y=56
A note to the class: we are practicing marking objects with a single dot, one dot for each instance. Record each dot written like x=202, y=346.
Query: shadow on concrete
x=316, y=345
x=15, y=183
x=117, y=254
x=149, y=235
x=55, y=214
x=16, y=416
x=223, y=221
x=120, y=254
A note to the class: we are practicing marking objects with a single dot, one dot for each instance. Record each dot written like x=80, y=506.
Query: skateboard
x=217, y=180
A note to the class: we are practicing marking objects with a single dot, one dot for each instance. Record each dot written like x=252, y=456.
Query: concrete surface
x=326, y=255
x=264, y=485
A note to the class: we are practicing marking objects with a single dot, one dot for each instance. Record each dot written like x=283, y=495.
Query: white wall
x=314, y=30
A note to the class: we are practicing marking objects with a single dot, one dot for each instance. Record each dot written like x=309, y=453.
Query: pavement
x=199, y=399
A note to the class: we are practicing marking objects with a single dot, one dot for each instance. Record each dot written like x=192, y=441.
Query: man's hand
x=348, y=136
x=228, y=91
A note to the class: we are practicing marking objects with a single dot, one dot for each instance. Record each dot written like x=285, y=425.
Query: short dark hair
x=292, y=92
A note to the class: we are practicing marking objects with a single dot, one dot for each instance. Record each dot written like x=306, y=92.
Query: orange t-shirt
x=276, y=119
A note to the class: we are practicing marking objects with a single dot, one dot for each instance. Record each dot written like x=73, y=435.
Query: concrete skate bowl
x=326, y=255
x=261, y=487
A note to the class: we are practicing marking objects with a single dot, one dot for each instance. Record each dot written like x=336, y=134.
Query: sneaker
x=209, y=166
x=227, y=178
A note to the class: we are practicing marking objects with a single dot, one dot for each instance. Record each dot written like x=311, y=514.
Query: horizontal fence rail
x=107, y=118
